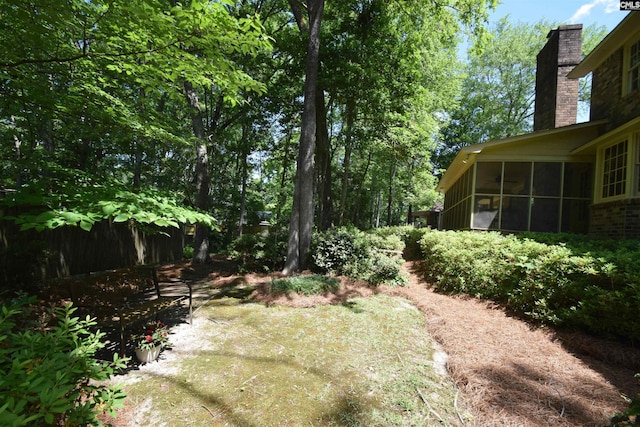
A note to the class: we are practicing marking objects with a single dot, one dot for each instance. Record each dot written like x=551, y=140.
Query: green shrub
x=359, y=255
x=631, y=416
x=48, y=374
x=409, y=236
x=187, y=252
x=386, y=269
x=564, y=280
x=257, y=253
x=305, y=285
x=340, y=251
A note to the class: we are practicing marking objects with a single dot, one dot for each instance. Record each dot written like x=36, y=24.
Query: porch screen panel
x=515, y=213
x=458, y=203
x=545, y=214
x=517, y=178
x=485, y=212
x=546, y=179
x=488, y=177
x=575, y=215
x=577, y=180
x=576, y=201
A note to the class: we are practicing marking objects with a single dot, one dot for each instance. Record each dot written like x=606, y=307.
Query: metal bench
x=124, y=296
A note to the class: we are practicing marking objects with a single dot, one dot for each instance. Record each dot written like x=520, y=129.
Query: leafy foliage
x=258, y=253
x=98, y=87
x=49, y=375
x=73, y=198
x=575, y=282
x=339, y=251
x=631, y=416
x=359, y=255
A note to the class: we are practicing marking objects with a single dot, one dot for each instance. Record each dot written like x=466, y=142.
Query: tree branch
x=296, y=8
x=83, y=55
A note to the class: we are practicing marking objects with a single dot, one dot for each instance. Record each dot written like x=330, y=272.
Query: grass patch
x=314, y=284
x=365, y=364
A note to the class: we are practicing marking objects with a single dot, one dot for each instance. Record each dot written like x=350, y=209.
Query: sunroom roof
x=467, y=155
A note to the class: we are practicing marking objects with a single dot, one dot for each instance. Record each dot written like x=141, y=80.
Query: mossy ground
x=367, y=362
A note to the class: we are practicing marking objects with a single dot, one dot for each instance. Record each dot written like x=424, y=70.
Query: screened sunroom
x=527, y=183
x=521, y=196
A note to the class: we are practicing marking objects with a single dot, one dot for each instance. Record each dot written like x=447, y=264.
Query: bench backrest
x=109, y=287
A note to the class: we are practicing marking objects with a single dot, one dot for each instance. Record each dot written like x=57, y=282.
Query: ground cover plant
x=306, y=284
x=574, y=282
x=365, y=362
x=48, y=371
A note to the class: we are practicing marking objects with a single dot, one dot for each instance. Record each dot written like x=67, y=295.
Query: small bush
x=48, y=374
x=339, y=251
x=187, y=252
x=386, y=269
x=305, y=285
x=359, y=255
x=258, y=253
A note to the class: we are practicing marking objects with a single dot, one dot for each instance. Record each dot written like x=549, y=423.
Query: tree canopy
x=96, y=87
x=164, y=111
x=498, y=92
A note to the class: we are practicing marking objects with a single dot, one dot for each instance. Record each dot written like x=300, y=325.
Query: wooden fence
x=29, y=257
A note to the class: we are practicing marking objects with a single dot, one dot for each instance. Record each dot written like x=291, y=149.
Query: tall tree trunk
x=284, y=178
x=323, y=156
x=203, y=178
x=17, y=142
x=346, y=163
x=243, y=192
x=301, y=222
x=392, y=176
x=358, y=192
x=378, y=202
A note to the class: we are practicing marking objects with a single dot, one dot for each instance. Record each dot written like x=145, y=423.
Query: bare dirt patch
x=510, y=373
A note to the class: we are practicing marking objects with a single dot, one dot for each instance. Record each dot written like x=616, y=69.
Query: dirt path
x=512, y=374
x=509, y=373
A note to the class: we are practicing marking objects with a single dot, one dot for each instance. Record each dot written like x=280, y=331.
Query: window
x=614, y=176
x=633, y=73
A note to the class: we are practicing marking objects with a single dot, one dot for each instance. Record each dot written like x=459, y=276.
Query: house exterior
x=564, y=176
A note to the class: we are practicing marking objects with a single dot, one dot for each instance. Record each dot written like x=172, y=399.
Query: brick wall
x=616, y=220
x=556, y=102
x=607, y=101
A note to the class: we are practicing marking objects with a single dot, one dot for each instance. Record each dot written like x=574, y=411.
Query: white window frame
x=629, y=170
x=631, y=68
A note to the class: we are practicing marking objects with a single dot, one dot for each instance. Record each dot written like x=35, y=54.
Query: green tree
x=301, y=222
x=381, y=65
x=498, y=93
x=109, y=88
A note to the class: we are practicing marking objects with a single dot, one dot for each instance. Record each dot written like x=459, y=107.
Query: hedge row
x=565, y=280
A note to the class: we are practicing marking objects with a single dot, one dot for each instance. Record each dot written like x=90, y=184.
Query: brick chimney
x=556, y=101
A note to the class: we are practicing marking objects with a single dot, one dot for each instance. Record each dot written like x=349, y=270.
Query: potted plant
x=150, y=341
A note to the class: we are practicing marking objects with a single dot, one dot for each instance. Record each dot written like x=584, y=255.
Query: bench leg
x=190, y=306
x=122, y=344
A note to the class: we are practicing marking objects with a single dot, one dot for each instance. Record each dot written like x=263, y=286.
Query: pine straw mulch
x=509, y=372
